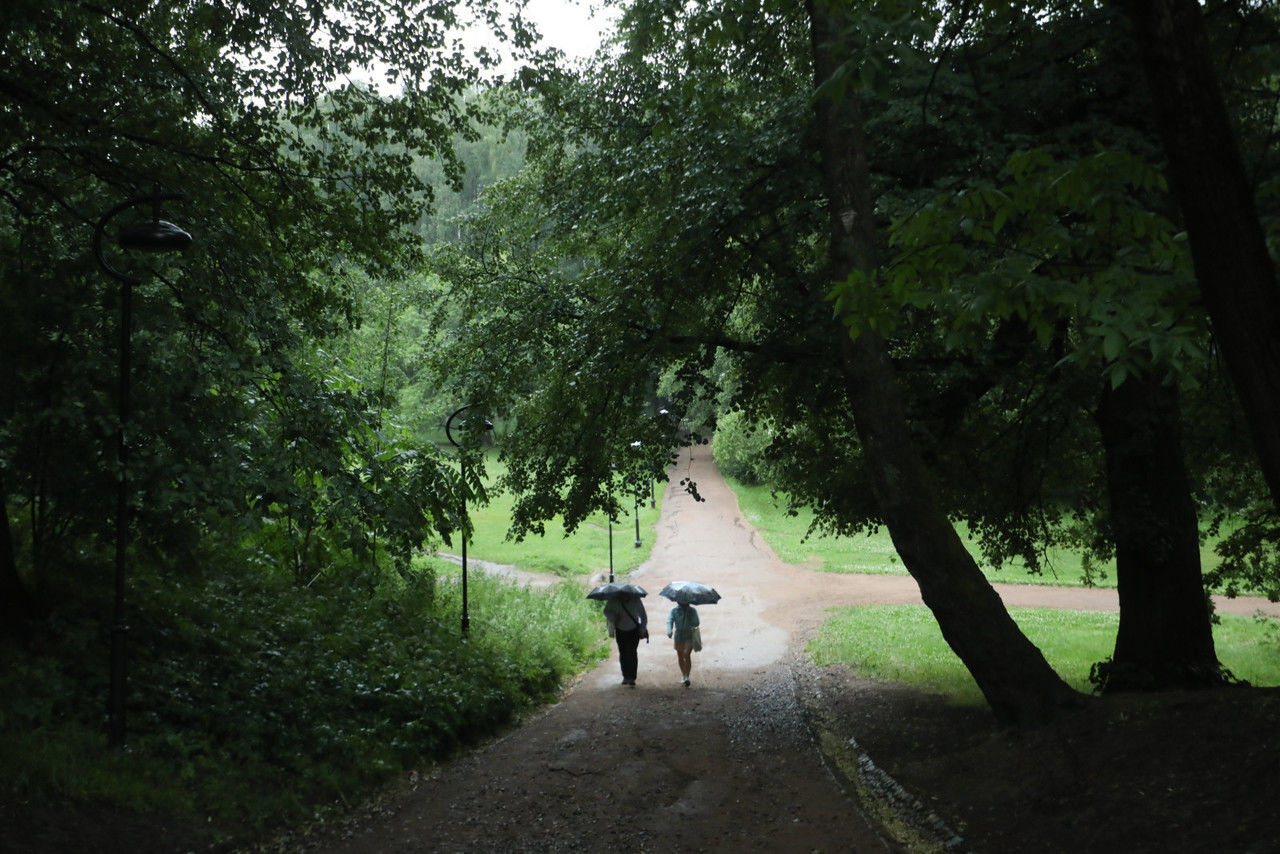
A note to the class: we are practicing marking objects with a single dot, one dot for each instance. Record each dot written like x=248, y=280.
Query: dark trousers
x=627, y=644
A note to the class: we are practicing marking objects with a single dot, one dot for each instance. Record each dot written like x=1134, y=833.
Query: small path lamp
x=462, y=463
x=155, y=235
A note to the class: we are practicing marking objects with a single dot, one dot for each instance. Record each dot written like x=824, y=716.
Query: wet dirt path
x=728, y=765
x=725, y=765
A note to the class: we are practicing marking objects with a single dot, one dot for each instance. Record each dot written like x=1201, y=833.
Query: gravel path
x=731, y=764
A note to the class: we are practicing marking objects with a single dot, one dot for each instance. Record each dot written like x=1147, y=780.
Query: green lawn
x=874, y=553
x=894, y=643
x=902, y=643
x=584, y=552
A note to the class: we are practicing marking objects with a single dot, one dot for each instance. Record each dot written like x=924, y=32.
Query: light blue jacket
x=684, y=619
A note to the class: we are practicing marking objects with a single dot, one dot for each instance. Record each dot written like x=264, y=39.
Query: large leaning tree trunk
x=1011, y=672
x=1165, y=639
x=1208, y=178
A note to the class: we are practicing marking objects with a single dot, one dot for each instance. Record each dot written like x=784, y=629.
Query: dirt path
x=727, y=765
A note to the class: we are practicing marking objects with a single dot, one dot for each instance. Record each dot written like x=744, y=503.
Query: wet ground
x=764, y=752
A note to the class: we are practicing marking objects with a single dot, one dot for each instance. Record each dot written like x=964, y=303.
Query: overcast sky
x=570, y=25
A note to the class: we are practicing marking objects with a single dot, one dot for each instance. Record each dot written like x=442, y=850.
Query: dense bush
x=739, y=447
x=262, y=701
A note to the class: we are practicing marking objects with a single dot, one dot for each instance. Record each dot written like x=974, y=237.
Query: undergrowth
x=257, y=702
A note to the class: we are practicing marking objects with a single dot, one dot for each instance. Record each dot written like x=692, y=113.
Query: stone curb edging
x=908, y=823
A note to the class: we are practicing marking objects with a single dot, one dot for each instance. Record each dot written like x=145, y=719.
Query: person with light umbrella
x=627, y=622
x=683, y=621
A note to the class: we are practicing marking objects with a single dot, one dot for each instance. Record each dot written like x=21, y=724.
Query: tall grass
x=902, y=643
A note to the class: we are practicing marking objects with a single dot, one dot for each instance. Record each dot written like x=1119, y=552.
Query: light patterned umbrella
x=690, y=593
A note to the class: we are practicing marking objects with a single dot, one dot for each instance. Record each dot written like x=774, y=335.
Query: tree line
x=952, y=261
x=1011, y=266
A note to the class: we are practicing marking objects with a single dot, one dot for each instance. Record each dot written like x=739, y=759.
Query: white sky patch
x=575, y=27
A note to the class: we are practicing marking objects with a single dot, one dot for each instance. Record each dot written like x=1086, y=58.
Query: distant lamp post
x=462, y=462
x=635, y=493
x=653, y=500
x=155, y=235
x=609, y=513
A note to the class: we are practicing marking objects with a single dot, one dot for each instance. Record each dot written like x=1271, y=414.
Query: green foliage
x=260, y=701
x=902, y=643
x=1074, y=238
x=741, y=448
x=1250, y=552
x=301, y=187
x=572, y=295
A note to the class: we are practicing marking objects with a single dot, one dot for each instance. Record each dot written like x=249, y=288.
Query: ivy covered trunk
x=1011, y=672
x=1228, y=247
x=1165, y=639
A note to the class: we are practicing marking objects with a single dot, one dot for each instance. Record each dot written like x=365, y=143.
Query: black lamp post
x=653, y=501
x=153, y=236
x=609, y=513
x=611, y=547
x=635, y=494
x=462, y=463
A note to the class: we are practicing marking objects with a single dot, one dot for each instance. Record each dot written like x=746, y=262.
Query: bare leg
x=684, y=655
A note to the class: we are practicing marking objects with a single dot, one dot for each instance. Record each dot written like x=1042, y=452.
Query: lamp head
x=156, y=235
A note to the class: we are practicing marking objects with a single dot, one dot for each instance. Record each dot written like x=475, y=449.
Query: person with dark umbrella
x=628, y=623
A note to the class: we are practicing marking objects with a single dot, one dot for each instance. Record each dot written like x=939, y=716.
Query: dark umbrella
x=616, y=588
x=690, y=593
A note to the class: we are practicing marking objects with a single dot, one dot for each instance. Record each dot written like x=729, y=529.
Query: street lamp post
x=462, y=463
x=653, y=500
x=153, y=236
x=635, y=494
x=609, y=514
x=611, y=547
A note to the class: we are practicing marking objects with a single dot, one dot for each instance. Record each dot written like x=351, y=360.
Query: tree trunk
x=1014, y=677
x=1165, y=639
x=17, y=607
x=1228, y=247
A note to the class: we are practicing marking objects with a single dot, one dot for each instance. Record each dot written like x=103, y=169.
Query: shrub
x=739, y=447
